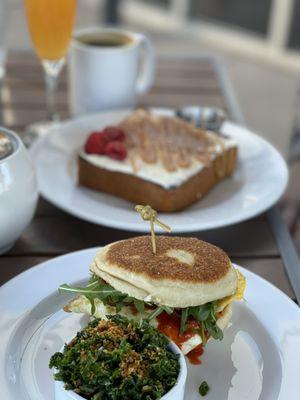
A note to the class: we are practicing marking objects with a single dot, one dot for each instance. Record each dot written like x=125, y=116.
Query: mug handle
x=146, y=78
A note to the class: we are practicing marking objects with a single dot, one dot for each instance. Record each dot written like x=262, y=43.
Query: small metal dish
x=210, y=118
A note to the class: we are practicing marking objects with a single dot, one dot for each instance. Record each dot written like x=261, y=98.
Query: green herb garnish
x=203, y=388
x=97, y=288
x=205, y=314
x=117, y=359
x=101, y=290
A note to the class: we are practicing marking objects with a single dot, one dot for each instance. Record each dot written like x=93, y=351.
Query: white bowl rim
x=180, y=382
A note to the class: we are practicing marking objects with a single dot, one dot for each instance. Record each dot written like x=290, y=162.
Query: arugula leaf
x=204, y=311
x=97, y=288
x=103, y=290
x=204, y=388
x=139, y=305
x=158, y=311
x=92, y=301
x=202, y=334
x=184, y=317
x=119, y=306
x=206, y=316
x=168, y=310
x=213, y=329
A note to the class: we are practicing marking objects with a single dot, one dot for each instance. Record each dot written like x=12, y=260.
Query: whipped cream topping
x=156, y=172
x=164, y=150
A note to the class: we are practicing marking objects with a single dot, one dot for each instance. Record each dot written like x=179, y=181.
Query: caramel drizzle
x=173, y=142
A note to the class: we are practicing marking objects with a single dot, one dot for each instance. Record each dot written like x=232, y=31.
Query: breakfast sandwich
x=156, y=159
x=186, y=289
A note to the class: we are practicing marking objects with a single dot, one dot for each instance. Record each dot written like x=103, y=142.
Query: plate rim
x=88, y=253
x=139, y=226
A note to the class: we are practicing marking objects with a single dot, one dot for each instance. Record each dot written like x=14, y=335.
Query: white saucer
x=259, y=352
x=258, y=183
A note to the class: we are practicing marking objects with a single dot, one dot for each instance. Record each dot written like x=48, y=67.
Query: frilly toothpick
x=149, y=214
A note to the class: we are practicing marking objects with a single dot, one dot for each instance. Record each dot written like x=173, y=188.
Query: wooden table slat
x=60, y=233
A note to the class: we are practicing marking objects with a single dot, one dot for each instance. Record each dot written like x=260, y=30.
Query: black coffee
x=105, y=39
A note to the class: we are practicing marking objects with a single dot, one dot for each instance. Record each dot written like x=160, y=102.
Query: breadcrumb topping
x=117, y=359
x=132, y=363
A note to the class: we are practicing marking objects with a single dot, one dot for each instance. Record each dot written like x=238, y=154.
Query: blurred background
x=258, y=40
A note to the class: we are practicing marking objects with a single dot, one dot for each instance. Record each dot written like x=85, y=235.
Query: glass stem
x=52, y=71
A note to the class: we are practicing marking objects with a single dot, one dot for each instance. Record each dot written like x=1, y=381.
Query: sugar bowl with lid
x=18, y=189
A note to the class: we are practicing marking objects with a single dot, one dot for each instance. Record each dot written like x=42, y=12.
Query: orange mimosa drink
x=50, y=24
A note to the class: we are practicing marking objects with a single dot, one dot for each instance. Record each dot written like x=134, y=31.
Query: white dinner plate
x=258, y=182
x=259, y=355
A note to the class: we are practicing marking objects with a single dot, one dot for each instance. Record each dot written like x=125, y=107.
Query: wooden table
x=180, y=81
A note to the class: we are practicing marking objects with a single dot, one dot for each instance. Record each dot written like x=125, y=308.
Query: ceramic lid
x=7, y=144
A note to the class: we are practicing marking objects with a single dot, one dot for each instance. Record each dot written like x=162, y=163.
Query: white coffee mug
x=108, y=76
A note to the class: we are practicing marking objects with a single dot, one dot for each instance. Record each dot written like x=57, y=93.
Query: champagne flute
x=50, y=24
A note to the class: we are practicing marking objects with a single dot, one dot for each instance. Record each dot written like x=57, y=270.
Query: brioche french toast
x=155, y=159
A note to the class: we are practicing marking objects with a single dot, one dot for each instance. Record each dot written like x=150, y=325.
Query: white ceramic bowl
x=176, y=393
x=18, y=192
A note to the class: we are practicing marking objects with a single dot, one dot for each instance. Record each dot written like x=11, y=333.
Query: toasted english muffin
x=185, y=290
x=184, y=272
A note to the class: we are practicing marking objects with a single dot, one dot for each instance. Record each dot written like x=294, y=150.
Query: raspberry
x=95, y=143
x=116, y=150
x=112, y=133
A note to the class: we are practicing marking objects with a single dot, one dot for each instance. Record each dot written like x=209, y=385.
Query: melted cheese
x=238, y=295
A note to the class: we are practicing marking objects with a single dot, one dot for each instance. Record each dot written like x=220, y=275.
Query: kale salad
x=117, y=359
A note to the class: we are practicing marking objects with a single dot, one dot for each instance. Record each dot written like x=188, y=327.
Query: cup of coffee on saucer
x=108, y=69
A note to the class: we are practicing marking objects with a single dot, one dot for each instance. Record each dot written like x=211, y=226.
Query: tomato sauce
x=170, y=326
x=194, y=355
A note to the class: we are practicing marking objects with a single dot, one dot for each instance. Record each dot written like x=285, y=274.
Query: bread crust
x=185, y=271
x=139, y=191
x=183, y=259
